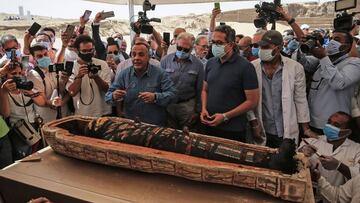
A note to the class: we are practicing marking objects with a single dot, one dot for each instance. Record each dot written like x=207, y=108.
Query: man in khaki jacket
x=282, y=104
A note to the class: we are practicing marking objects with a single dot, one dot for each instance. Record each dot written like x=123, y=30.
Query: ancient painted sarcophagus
x=148, y=148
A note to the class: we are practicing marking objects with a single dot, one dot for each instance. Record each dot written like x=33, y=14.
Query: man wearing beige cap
x=282, y=104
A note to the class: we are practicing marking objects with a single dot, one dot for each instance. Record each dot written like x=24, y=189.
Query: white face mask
x=266, y=55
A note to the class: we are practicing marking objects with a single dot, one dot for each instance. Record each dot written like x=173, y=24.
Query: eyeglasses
x=86, y=51
x=179, y=48
x=204, y=46
x=113, y=52
x=218, y=42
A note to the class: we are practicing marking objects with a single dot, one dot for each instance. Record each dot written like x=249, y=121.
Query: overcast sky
x=75, y=8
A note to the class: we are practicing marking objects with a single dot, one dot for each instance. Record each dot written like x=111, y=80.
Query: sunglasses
x=113, y=52
x=179, y=48
x=255, y=45
x=9, y=49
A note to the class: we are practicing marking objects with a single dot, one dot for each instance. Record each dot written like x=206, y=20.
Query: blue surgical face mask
x=331, y=132
x=117, y=57
x=182, y=54
x=333, y=47
x=218, y=50
x=44, y=62
x=255, y=51
x=8, y=53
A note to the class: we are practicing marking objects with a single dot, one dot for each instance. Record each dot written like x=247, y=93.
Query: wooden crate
x=296, y=187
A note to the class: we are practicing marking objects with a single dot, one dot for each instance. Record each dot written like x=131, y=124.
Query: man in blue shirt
x=187, y=73
x=146, y=90
x=230, y=88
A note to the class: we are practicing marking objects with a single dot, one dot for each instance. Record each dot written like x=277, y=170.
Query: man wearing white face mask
x=339, y=156
x=334, y=82
x=282, y=104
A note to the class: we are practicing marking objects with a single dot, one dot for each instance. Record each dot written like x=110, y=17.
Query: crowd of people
x=256, y=89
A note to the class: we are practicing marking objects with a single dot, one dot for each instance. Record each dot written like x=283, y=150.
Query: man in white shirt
x=340, y=156
x=90, y=81
x=44, y=82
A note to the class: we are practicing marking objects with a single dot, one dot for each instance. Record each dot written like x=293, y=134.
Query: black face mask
x=85, y=57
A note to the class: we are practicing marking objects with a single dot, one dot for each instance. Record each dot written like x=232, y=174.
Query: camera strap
x=30, y=102
x=42, y=75
x=92, y=95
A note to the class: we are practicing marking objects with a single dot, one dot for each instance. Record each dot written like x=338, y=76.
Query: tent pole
x=131, y=19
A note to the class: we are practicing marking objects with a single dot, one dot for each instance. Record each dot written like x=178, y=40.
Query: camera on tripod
x=61, y=67
x=144, y=21
x=344, y=21
x=267, y=13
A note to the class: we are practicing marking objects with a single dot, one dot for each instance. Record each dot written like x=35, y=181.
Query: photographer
x=8, y=43
x=333, y=83
x=90, y=81
x=18, y=104
x=44, y=82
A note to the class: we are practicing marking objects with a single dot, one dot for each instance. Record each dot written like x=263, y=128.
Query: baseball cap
x=271, y=37
x=305, y=26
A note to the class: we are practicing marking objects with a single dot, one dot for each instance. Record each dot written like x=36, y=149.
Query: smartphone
x=87, y=15
x=69, y=67
x=25, y=61
x=109, y=14
x=69, y=31
x=217, y=5
x=166, y=37
x=35, y=27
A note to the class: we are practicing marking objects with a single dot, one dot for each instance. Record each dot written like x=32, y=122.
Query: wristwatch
x=225, y=117
x=291, y=21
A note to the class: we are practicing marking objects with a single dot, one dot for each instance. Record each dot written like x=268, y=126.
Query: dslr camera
x=61, y=67
x=311, y=42
x=23, y=83
x=144, y=21
x=94, y=69
x=344, y=21
x=267, y=13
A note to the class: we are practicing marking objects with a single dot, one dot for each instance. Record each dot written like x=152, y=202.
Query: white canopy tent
x=132, y=3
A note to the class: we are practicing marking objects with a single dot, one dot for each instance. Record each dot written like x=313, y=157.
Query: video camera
x=311, y=42
x=344, y=21
x=267, y=13
x=94, y=69
x=67, y=67
x=23, y=83
x=144, y=21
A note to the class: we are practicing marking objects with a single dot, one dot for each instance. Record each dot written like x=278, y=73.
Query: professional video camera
x=23, y=83
x=67, y=67
x=344, y=21
x=267, y=13
x=94, y=69
x=144, y=21
x=311, y=42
